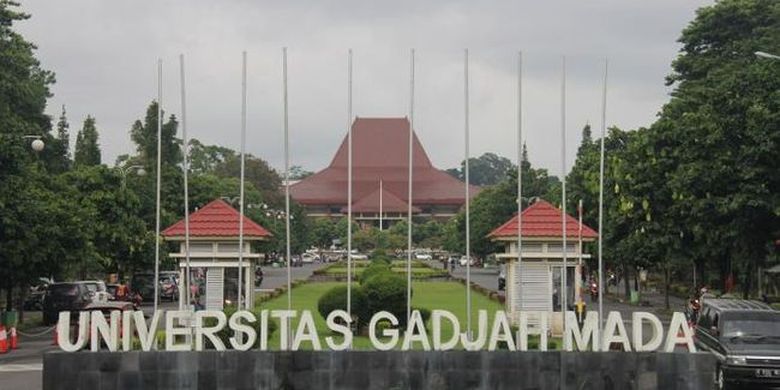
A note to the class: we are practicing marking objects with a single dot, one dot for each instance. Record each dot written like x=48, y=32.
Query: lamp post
x=770, y=56
x=123, y=171
x=37, y=144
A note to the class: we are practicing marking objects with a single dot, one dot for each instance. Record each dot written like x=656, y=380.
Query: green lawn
x=449, y=296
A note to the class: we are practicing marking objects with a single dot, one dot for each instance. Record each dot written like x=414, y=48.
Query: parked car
x=169, y=287
x=745, y=338
x=59, y=297
x=309, y=258
x=34, y=299
x=97, y=289
x=423, y=256
x=143, y=284
x=466, y=260
x=359, y=256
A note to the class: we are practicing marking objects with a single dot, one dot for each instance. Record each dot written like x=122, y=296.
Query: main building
x=380, y=177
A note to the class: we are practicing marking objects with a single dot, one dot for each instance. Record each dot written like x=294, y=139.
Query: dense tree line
x=699, y=188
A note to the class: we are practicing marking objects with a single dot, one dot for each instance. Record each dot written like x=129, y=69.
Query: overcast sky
x=104, y=54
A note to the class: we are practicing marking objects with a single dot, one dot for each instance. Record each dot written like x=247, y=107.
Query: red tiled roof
x=217, y=219
x=542, y=219
x=380, y=151
x=390, y=203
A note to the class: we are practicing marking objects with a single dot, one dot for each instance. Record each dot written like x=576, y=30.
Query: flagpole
x=185, y=167
x=601, y=192
x=241, y=189
x=518, y=269
x=409, y=197
x=349, y=185
x=565, y=272
x=157, y=205
x=288, y=252
x=466, y=169
x=380, y=205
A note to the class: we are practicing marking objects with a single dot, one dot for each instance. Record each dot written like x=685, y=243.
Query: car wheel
x=720, y=380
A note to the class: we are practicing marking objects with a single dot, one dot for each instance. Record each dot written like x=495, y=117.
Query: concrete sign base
x=364, y=370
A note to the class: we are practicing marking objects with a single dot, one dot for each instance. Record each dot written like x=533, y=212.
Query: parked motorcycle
x=594, y=291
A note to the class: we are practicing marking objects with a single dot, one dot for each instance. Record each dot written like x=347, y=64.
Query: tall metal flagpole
x=466, y=169
x=241, y=189
x=287, y=180
x=185, y=167
x=381, y=227
x=349, y=184
x=565, y=272
x=409, y=198
x=157, y=206
x=601, y=192
x=518, y=270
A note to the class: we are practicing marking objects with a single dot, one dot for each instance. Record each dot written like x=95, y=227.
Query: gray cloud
x=104, y=54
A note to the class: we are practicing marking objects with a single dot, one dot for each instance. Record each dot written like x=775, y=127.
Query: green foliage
x=387, y=291
x=87, y=148
x=485, y=170
x=336, y=299
x=144, y=134
x=374, y=269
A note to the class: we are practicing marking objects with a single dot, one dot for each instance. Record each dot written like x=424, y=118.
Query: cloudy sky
x=104, y=54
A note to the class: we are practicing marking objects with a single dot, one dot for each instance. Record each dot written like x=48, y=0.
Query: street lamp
x=123, y=171
x=763, y=54
x=37, y=144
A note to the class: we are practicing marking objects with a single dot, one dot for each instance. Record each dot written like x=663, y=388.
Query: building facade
x=380, y=175
x=214, y=255
x=536, y=283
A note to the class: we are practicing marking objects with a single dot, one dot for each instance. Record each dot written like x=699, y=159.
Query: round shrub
x=336, y=299
x=376, y=268
x=387, y=291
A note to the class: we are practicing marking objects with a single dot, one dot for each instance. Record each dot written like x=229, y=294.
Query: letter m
x=589, y=334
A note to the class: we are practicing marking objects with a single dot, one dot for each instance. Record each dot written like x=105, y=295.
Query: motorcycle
x=594, y=291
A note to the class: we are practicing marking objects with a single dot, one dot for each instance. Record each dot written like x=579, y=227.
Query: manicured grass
x=419, y=269
x=449, y=296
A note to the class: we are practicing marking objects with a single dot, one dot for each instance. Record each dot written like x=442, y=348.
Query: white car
x=464, y=260
x=359, y=256
x=423, y=256
x=309, y=257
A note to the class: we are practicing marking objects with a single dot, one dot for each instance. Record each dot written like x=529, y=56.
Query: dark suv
x=64, y=297
x=745, y=338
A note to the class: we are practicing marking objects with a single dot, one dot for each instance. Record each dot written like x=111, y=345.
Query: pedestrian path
x=21, y=367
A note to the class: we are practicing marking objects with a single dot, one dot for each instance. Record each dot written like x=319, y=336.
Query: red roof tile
x=380, y=151
x=542, y=219
x=217, y=219
x=390, y=203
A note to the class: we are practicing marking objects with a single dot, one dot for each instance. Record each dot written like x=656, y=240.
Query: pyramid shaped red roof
x=390, y=203
x=380, y=151
x=217, y=219
x=542, y=219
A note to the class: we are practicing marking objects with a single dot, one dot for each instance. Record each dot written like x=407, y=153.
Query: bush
x=387, y=291
x=374, y=269
x=336, y=299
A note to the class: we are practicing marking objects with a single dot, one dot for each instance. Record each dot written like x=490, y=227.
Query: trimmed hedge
x=387, y=291
x=336, y=299
x=374, y=269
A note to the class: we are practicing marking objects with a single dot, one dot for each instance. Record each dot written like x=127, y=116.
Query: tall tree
x=487, y=169
x=87, y=149
x=721, y=129
x=60, y=145
x=144, y=134
x=29, y=205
